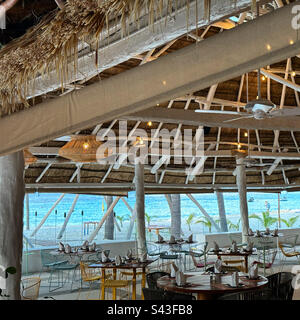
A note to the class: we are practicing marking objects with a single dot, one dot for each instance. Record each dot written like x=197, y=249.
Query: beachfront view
x=149, y=150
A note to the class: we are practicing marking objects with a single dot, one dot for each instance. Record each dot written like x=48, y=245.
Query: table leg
x=114, y=289
x=143, y=281
x=134, y=285
x=246, y=264
x=103, y=287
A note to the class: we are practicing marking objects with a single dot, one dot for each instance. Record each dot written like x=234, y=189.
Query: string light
x=239, y=146
x=293, y=74
x=263, y=78
x=164, y=82
x=86, y=145
x=291, y=42
x=149, y=123
x=246, y=134
x=268, y=47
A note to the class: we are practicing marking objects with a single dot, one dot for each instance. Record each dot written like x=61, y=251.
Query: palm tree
x=206, y=222
x=122, y=219
x=290, y=222
x=148, y=218
x=234, y=226
x=266, y=220
x=189, y=220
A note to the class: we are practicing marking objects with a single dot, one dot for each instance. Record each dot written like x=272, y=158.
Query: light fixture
x=139, y=143
x=149, y=123
x=291, y=42
x=164, y=82
x=263, y=78
x=293, y=74
x=246, y=134
x=86, y=145
x=269, y=47
x=239, y=146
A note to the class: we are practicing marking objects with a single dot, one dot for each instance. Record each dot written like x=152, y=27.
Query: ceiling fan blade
x=285, y=112
x=230, y=120
x=218, y=112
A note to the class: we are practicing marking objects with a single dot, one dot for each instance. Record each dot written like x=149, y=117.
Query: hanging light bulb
x=149, y=123
x=86, y=145
x=246, y=134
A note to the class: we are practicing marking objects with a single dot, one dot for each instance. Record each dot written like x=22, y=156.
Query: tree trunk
x=176, y=216
x=12, y=191
x=241, y=181
x=109, y=223
x=222, y=214
x=140, y=208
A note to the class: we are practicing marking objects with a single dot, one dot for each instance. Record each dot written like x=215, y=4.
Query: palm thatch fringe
x=53, y=43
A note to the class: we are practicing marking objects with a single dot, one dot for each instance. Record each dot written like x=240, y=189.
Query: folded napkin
x=250, y=232
x=249, y=247
x=118, y=260
x=275, y=233
x=144, y=257
x=253, y=271
x=104, y=256
x=267, y=231
x=160, y=238
x=218, y=266
x=257, y=233
x=235, y=279
x=61, y=247
x=129, y=254
x=92, y=247
x=172, y=239
x=190, y=238
x=85, y=245
x=216, y=246
x=234, y=247
x=180, y=278
x=174, y=269
x=68, y=248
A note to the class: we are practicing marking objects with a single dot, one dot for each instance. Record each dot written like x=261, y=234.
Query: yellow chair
x=125, y=274
x=288, y=254
x=30, y=288
x=115, y=284
x=88, y=275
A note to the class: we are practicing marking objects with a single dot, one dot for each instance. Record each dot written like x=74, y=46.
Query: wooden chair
x=30, y=288
x=288, y=254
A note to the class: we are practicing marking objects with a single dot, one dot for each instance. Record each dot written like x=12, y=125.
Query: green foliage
x=266, y=220
x=208, y=223
x=122, y=219
x=290, y=222
x=189, y=220
x=233, y=226
x=149, y=218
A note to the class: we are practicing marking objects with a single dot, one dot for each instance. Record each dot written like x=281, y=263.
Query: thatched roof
x=54, y=41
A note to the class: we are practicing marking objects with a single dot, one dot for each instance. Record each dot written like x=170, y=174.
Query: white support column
x=140, y=208
x=27, y=212
x=176, y=216
x=61, y=232
x=222, y=214
x=109, y=223
x=11, y=219
x=241, y=181
x=131, y=224
x=47, y=215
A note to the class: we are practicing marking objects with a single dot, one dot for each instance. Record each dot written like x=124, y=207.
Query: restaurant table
x=127, y=265
x=201, y=284
x=228, y=253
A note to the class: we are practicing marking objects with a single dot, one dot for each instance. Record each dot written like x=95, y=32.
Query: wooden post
x=140, y=207
x=131, y=223
x=11, y=220
x=109, y=223
x=222, y=214
x=176, y=216
x=61, y=232
x=241, y=181
x=27, y=212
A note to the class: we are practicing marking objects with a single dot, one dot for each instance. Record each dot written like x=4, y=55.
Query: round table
x=200, y=284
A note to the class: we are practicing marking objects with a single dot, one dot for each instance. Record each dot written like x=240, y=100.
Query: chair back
x=152, y=278
x=280, y=285
x=30, y=288
x=47, y=258
x=282, y=250
x=84, y=271
x=247, y=295
x=153, y=294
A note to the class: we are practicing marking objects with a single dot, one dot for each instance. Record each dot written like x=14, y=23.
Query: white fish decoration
x=93, y=246
x=250, y=232
x=275, y=233
x=267, y=232
x=257, y=233
x=180, y=278
x=85, y=245
x=249, y=247
x=129, y=254
x=218, y=266
x=144, y=257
